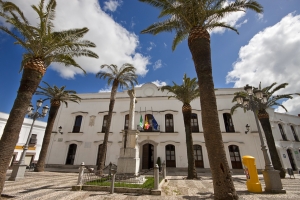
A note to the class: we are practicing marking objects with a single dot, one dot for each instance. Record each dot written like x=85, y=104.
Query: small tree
x=158, y=162
x=186, y=93
x=56, y=96
x=123, y=77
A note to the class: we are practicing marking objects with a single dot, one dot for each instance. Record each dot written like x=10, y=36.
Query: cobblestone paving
x=57, y=186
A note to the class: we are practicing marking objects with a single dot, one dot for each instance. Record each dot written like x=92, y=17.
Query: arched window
x=235, y=157
x=198, y=156
x=126, y=124
x=282, y=132
x=295, y=134
x=194, y=123
x=77, y=124
x=228, y=122
x=105, y=117
x=71, y=154
x=170, y=156
x=169, y=123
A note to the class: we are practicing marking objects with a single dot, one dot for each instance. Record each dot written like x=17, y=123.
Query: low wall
x=116, y=189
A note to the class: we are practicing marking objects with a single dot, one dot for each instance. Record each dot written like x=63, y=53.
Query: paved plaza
x=57, y=185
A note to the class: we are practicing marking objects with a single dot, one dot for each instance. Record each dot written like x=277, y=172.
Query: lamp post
x=20, y=168
x=271, y=176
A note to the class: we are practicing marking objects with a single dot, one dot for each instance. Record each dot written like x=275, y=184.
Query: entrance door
x=235, y=157
x=71, y=154
x=291, y=158
x=170, y=156
x=198, y=156
x=148, y=156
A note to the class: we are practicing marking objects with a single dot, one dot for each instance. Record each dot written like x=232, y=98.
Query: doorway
x=170, y=156
x=71, y=154
x=291, y=158
x=148, y=156
x=235, y=157
x=198, y=156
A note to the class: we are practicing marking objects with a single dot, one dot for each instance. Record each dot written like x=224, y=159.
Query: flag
x=147, y=125
x=141, y=121
x=154, y=123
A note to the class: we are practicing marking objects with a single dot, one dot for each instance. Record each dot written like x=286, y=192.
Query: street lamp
x=271, y=176
x=20, y=168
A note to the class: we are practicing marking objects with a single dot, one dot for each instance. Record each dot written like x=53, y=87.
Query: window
x=282, y=132
x=294, y=134
x=33, y=140
x=77, y=124
x=194, y=123
x=126, y=125
x=228, y=122
x=104, y=123
x=169, y=123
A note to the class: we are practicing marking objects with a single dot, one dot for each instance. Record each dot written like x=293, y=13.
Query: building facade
x=35, y=143
x=83, y=128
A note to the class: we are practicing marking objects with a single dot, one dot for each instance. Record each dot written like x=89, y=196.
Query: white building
x=35, y=143
x=83, y=131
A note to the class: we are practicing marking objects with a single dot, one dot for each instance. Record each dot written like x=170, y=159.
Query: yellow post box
x=253, y=184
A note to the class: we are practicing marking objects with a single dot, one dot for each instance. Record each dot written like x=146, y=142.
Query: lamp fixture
x=247, y=128
x=59, y=130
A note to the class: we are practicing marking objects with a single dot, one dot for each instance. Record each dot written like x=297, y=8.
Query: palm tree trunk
x=187, y=112
x=29, y=83
x=263, y=117
x=102, y=156
x=52, y=115
x=199, y=45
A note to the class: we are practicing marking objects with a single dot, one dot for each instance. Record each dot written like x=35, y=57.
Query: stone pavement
x=57, y=186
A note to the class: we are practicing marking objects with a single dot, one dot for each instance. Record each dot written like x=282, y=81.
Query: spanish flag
x=147, y=125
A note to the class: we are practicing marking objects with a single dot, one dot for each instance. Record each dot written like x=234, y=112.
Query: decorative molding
x=79, y=112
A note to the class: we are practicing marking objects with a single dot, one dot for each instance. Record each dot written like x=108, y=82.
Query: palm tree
x=56, y=96
x=186, y=93
x=263, y=116
x=42, y=47
x=193, y=19
x=123, y=77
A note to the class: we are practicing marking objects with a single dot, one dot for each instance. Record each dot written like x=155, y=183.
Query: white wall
x=149, y=101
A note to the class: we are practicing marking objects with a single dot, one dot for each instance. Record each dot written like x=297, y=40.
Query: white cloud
x=158, y=83
x=152, y=44
x=291, y=105
x=106, y=89
x=240, y=24
x=157, y=65
x=115, y=44
x=165, y=44
x=111, y=5
x=260, y=16
x=230, y=19
x=272, y=55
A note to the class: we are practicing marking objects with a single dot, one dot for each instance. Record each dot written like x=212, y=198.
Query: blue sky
x=267, y=48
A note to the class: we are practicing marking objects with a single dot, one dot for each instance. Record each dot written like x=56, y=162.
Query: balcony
x=150, y=129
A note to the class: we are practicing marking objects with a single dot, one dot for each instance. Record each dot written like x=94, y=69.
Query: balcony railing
x=150, y=129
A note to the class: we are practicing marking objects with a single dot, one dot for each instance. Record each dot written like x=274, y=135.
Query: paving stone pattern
x=57, y=186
